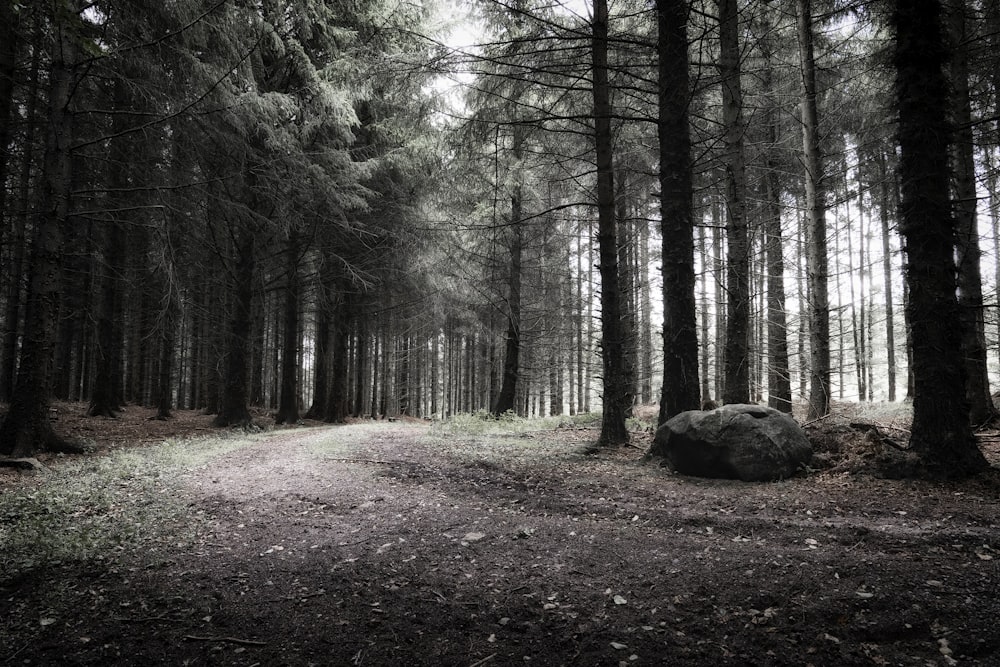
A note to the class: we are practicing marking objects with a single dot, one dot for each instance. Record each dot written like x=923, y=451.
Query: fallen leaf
x=473, y=537
x=618, y=646
x=620, y=600
x=46, y=621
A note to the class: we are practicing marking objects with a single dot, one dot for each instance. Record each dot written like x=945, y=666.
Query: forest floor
x=477, y=543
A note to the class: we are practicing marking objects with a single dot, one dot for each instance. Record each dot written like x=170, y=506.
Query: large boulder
x=747, y=442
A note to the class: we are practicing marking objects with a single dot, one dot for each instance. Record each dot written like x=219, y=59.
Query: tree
x=288, y=408
x=10, y=23
x=940, y=433
x=616, y=399
x=970, y=282
x=736, y=388
x=816, y=258
x=17, y=238
x=105, y=400
x=779, y=382
x=511, y=364
x=680, y=335
x=26, y=429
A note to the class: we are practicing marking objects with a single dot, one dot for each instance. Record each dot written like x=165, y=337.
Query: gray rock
x=752, y=443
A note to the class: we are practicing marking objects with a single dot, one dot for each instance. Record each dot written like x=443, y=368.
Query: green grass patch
x=96, y=508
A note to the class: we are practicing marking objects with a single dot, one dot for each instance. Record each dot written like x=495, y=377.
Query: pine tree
x=940, y=432
x=680, y=336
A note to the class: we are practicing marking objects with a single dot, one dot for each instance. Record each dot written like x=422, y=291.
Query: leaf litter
x=402, y=546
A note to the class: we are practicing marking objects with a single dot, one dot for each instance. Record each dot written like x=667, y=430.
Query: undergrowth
x=94, y=508
x=508, y=423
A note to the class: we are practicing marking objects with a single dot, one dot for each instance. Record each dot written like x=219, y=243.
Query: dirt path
x=375, y=544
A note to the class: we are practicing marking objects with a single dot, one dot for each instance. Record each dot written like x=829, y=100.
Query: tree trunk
x=288, y=407
x=361, y=368
x=736, y=358
x=435, y=372
x=857, y=324
x=233, y=410
x=511, y=364
x=626, y=286
x=802, y=292
x=816, y=259
x=12, y=312
x=940, y=432
x=26, y=429
x=258, y=352
x=336, y=409
x=680, y=334
x=322, y=352
x=890, y=333
x=378, y=360
x=106, y=397
x=167, y=340
x=970, y=281
x=719, y=272
x=589, y=335
x=779, y=382
x=645, y=319
x=10, y=24
x=616, y=399
x=706, y=355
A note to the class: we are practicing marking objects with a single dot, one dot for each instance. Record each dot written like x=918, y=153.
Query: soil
x=395, y=543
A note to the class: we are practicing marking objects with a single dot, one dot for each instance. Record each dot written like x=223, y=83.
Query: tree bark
x=233, y=410
x=616, y=399
x=361, y=369
x=626, y=285
x=719, y=274
x=106, y=396
x=336, y=409
x=680, y=334
x=736, y=358
x=857, y=324
x=288, y=407
x=321, y=363
x=12, y=312
x=705, y=316
x=10, y=24
x=816, y=257
x=970, y=281
x=511, y=364
x=890, y=333
x=167, y=340
x=26, y=429
x=779, y=382
x=940, y=432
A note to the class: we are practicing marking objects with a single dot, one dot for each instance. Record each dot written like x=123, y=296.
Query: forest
x=344, y=332
x=327, y=209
